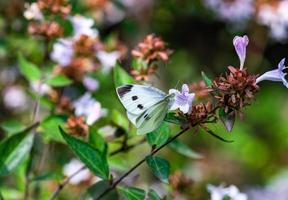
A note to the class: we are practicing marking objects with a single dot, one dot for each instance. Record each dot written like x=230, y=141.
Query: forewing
x=138, y=98
x=152, y=117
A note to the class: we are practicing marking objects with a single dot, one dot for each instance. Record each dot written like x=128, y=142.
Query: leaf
x=13, y=150
x=121, y=77
x=153, y=195
x=216, y=136
x=172, y=118
x=59, y=81
x=207, y=80
x=183, y=149
x=159, y=166
x=29, y=70
x=97, y=141
x=159, y=136
x=49, y=127
x=12, y=126
x=90, y=156
x=47, y=177
x=228, y=119
x=120, y=120
x=95, y=190
x=132, y=193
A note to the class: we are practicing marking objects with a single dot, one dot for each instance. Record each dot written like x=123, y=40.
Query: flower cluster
x=221, y=193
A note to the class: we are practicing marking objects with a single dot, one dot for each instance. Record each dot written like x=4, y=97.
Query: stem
x=105, y=192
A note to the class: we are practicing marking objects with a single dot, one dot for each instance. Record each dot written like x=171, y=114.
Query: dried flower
x=46, y=29
x=62, y=52
x=108, y=59
x=33, y=12
x=179, y=182
x=240, y=44
x=152, y=49
x=279, y=74
x=143, y=74
x=64, y=105
x=55, y=6
x=83, y=26
x=231, y=192
x=235, y=90
x=182, y=100
x=200, y=112
x=200, y=89
x=86, y=46
x=77, y=126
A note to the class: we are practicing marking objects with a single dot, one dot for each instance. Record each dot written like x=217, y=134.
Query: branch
x=140, y=163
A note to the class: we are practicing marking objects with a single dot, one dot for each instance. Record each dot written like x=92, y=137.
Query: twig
x=140, y=163
x=67, y=180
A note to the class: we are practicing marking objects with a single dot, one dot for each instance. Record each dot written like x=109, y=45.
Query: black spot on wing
x=134, y=98
x=146, y=117
x=140, y=106
x=124, y=90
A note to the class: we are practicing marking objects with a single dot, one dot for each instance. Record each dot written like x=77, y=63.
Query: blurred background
x=200, y=33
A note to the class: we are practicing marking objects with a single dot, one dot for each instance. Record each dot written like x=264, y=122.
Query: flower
x=220, y=192
x=15, y=98
x=83, y=26
x=90, y=83
x=77, y=126
x=63, y=52
x=279, y=74
x=89, y=108
x=71, y=167
x=46, y=29
x=182, y=100
x=40, y=88
x=108, y=59
x=240, y=44
x=33, y=12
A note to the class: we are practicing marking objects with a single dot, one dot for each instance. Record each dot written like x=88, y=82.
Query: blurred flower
x=83, y=26
x=71, y=167
x=179, y=181
x=240, y=44
x=62, y=52
x=143, y=74
x=64, y=104
x=221, y=193
x=235, y=89
x=200, y=89
x=108, y=59
x=15, y=98
x=89, y=108
x=275, y=16
x=46, y=29
x=90, y=83
x=152, y=49
x=182, y=100
x=40, y=88
x=55, y=7
x=86, y=46
x=232, y=10
x=33, y=12
x=279, y=74
x=77, y=126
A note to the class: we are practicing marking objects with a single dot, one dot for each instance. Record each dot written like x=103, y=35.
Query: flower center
x=182, y=98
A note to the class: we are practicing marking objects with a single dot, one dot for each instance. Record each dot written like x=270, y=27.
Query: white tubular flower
x=221, y=192
x=83, y=26
x=33, y=12
x=90, y=83
x=15, y=98
x=108, y=59
x=63, y=52
x=71, y=167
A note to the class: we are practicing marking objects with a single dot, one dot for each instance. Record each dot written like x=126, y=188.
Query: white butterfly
x=146, y=106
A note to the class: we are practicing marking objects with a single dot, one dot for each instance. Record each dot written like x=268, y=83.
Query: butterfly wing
x=138, y=98
x=151, y=119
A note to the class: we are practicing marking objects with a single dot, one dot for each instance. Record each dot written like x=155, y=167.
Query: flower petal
x=273, y=75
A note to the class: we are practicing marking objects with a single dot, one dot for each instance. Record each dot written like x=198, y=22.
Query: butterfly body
x=146, y=106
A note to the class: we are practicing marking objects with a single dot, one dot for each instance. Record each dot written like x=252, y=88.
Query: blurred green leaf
x=159, y=166
x=96, y=140
x=159, y=136
x=59, y=81
x=172, y=118
x=47, y=177
x=119, y=119
x=216, y=136
x=49, y=127
x=13, y=150
x=183, y=149
x=121, y=77
x=30, y=71
x=95, y=190
x=228, y=119
x=12, y=126
x=207, y=80
x=153, y=195
x=132, y=193
x=90, y=156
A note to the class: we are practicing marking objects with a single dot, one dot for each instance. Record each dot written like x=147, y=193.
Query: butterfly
x=146, y=106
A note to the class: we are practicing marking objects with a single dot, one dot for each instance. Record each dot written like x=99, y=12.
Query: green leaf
x=216, y=136
x=96, y=140
x=90, y=156
x=49, y=127
x=121, y=77
x=47, y=177
x=159, y=166
x=95, y=190
x=153, y=195
x=12, y=126
x=228, y=119
x=183, y=149
x=132, y=193
x=29, y=70
x=119, y=119
x=207, y=80
x=172, y=118
x=13, y=150
x=59, y=81
x=159, y=136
